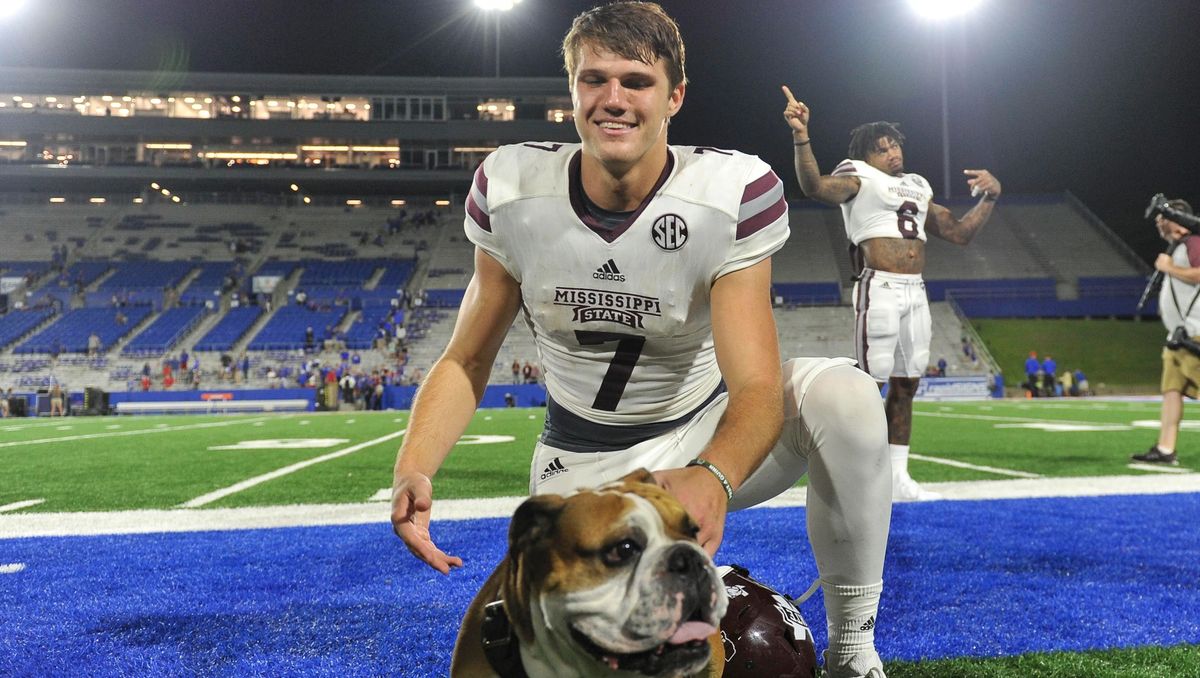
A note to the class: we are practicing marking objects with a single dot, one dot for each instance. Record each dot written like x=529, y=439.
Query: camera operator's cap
x=1181, y=205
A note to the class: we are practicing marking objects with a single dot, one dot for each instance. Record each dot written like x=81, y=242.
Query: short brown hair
x=641, y=31
x=864, y=137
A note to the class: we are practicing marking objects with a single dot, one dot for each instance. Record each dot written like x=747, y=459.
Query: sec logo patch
x=669, y=231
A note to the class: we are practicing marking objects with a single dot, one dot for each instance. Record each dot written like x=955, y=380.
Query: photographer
x=1177, y=304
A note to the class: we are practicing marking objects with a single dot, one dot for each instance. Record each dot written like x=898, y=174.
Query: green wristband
x=716, y=472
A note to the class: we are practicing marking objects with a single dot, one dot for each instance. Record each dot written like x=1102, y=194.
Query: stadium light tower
x=942, y=11
x=497, y=7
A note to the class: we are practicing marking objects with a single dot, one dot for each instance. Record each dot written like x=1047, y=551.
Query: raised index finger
x=788, y=93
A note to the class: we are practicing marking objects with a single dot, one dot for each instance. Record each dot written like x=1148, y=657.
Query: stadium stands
x=230, y=329
x=70, y=333
x=165, y=332
x=355, y=269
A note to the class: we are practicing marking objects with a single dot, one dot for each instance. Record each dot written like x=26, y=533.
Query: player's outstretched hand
x=703, y=497
x=796, y=115
x=412, y=503
x=981, y=181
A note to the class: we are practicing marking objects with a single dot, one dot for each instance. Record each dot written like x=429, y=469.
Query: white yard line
x=11, y=568
x=18, y=505
x=279, y=473
x=160, y=428
x=197, y=520
x=974, y=467
x=996, y=417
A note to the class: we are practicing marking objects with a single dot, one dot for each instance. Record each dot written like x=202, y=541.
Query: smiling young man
x=888, y=215
x=644, y=270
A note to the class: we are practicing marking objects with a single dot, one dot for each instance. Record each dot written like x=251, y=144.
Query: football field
x=259, y=545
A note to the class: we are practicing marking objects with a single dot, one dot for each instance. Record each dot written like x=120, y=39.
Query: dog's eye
x=621, y=552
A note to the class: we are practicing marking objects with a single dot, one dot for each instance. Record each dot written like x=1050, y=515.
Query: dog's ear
x=640, y=475
x=533, y=521
x=531, y=529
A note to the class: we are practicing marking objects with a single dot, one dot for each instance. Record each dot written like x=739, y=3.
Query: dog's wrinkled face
x=615, y=578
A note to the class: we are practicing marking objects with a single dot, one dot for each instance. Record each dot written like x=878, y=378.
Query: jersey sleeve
x=478, y=221
x=762, y=220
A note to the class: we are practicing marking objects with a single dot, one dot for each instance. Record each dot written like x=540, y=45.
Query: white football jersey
x=621, y=318
x=885, y=206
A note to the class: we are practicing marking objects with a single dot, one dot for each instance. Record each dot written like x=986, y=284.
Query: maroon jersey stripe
x=759, y=186
x=477, y=215
x=481, y=180
x=754, y=224
x=846, y=167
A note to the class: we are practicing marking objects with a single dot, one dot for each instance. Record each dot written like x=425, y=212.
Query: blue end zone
x=982, y=578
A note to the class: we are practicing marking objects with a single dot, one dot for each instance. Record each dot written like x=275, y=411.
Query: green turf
x=92, y=466
x=1116, y=355
x=1147, y=662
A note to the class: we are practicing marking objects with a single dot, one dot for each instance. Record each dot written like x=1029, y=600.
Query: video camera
x=1160, y=205
x=1180, y=339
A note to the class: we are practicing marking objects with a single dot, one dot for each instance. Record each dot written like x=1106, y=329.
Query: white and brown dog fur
x=604, y=582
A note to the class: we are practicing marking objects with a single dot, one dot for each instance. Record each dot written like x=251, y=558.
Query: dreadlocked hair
x=863, y=137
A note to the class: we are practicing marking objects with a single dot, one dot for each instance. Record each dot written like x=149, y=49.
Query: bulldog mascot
x=611, y=582
x=605, y=582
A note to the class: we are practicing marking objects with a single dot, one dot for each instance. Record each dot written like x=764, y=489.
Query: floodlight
x=943, y=9
x=502, y=5
x=10, y=7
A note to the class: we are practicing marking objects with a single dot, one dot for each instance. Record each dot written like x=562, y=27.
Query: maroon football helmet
x=763, y=632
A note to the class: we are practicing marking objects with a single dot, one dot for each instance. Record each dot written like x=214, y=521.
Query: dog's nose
x=685, y=561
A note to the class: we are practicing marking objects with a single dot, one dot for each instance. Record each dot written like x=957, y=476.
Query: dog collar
x=500, y=644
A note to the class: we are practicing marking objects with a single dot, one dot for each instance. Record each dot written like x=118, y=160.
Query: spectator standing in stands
x=183, y=360
x=168, y=381
x=309, y=340
x=888, y=215
x=4, y=404
x=245, y=367
x=527, y=372
x=1180, y=315
x=93, y=344
x=941, y=367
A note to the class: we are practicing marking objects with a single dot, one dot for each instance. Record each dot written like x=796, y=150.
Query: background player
x=644, y=271
x=888, y=215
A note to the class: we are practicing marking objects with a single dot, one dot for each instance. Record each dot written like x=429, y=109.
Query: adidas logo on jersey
x=870, y=624
x=553, y=468
x=609, y=272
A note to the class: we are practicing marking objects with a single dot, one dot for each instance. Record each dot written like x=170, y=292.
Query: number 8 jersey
x=885, y=206
x=621, y=315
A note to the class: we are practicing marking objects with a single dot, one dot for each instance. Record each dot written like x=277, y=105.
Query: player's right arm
x=824, y=187
x=447, y=400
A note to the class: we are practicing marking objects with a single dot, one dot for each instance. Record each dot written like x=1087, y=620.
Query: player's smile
x=621, y=109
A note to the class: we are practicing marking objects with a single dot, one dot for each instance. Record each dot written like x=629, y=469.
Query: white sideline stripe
x=18, y=505
x=11, y=568
x=974, y=467
x=161, y=428
x=23, y=525
x=280, y=472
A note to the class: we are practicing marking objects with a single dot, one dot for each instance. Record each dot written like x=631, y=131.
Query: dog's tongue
x=693, y=630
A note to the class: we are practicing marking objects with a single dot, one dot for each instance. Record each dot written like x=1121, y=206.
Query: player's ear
x=675, y=100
